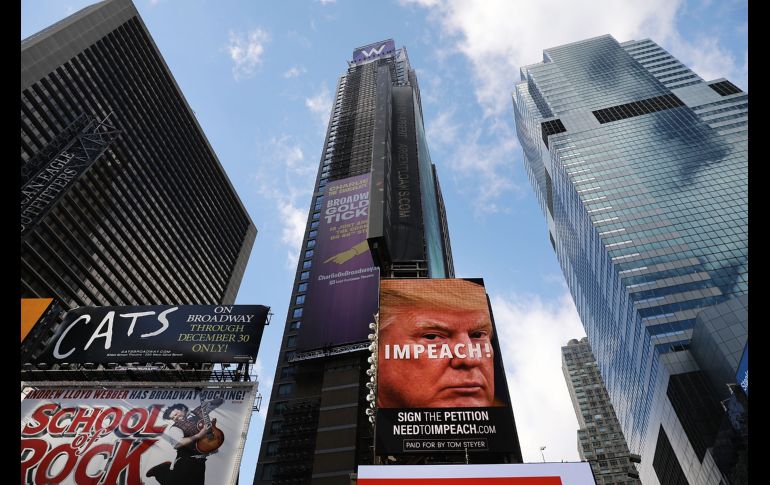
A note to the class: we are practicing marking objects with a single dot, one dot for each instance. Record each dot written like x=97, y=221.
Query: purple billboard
x=343, y=289
x=373, y=51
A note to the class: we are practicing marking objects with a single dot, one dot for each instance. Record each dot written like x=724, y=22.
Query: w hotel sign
x=373, y=51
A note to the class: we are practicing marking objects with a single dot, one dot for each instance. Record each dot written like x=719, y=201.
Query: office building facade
x=641, y=170
x=317, y=429
x=600, y=439
x=124, y=201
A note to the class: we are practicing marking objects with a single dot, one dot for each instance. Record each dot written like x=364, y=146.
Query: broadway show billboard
x=138, y=435
x=161, y=333
x=440, y=380
x=342, y=291
x=518, y=474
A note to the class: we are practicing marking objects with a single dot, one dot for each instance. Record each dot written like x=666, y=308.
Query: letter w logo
x=373, y=51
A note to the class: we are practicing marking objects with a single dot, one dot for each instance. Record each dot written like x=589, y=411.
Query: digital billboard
x=159, y=333
x=342, y=289
x=373, y=51
x=502, y=474
x=440, y=380
x=134, y=435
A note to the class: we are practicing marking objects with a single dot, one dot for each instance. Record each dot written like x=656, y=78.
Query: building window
x=294, y=325
x=316, y=216
x=314, y=225
x=291, y=342
x=297, y=312
x=285, y=389
x=287, y=371
x=311, y=244
x=307, y=264
x=304, y=275
x=309, y=254
x=302, y=287
x=312, y=234
x=279, y=407
x=271, y=449
x=288, y=356
x=299, y=300
x=275, y=426
x=268, y=470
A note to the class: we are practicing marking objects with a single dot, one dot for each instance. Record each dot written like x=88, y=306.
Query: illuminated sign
x=440, y=381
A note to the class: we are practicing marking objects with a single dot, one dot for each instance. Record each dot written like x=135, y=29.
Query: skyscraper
x=124, y=201
x=600, y=440
x=376, y=212
x=640, y=168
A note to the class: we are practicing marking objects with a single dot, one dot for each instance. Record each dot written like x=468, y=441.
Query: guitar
x=214, y=437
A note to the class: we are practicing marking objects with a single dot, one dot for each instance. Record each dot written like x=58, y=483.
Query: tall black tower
x=124, y=201
x=377, y=192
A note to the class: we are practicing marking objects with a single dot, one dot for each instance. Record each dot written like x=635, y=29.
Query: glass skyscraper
x=641, y=170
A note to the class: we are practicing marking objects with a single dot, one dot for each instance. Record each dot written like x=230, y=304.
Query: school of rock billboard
x=508, y=474
x=342, y=290
x=160, y=333
x=440, y=380
x=134, y=435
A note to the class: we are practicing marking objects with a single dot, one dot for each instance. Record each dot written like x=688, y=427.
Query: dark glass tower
x=641, y=170
x=123, y=201
x=316, y=428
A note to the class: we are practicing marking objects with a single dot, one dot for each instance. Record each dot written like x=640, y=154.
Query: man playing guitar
x=194, y=437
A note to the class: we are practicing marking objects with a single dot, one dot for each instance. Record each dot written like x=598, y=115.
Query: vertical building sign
x=344, y=282
x=440, y=381
x=406, y=229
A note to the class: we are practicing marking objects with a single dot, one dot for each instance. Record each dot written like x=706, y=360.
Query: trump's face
x=446, y=381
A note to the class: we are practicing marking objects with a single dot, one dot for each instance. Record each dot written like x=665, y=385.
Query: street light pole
x=541, y=453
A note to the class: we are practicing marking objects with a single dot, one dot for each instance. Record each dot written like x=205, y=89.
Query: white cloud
x=327, y=2
x=320, y=105
x=710, y=60
x=480, y=153
x=246, y=51
x=532, y=333
x=499, y=36
x=294, y=71
x=283, y=178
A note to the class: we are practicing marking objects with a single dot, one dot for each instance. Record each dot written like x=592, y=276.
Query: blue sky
x=260, y=77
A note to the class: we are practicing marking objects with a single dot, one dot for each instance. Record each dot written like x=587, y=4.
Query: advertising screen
x=518, y=474
x=440, y=381
x=343, y=280
x=134, y=435
x=160, y=333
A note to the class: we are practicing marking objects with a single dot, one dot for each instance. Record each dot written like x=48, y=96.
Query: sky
x=260, y=77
